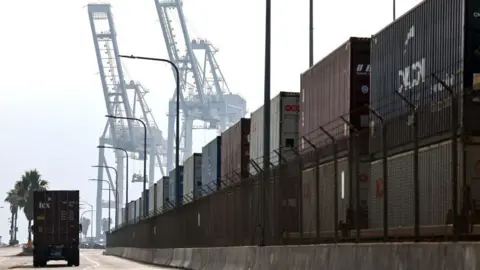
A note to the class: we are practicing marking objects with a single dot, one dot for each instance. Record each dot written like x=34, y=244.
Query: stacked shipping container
x=284, y=115
x=166, y=200
x=340, y=83
x=235, y=156
x=336, y=86
x=176, y=186
x=192, y=180
x=435, y=39
x=211, y=169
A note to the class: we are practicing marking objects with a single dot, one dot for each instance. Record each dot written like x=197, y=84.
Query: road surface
x=89, y=259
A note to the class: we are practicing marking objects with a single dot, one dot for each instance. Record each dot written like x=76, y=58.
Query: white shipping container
x=284, y=116
x=138, y=207
x=131, y=210
x=159, y=194
x=192, y=177
x=151, y=199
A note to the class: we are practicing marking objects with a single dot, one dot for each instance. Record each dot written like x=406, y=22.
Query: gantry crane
x=204, y=92
x=127, y=135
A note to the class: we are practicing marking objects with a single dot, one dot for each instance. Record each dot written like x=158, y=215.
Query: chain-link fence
x=415, y=176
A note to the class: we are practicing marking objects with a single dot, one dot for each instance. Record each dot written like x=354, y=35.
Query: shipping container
x=166, y=192
x=138, y=208
x=159, y=195
x=435, y=179
x=326, y=192
x=284, y=117
x=436, y=39
x=56, y=226
x=151, y=199
x=176, y=186
x=124, y=214
x=146, y=198
x=235, y=152
x=192, y=182
x=211, y=166
x=336, y=86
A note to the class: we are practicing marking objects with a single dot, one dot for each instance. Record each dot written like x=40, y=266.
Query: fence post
x=317, y=187
x=335, y=183
x=416, y=183
x=454, y=129
x=355, y=175
x=385, y=171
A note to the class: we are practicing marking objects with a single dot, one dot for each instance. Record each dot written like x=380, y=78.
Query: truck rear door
x=56, y=218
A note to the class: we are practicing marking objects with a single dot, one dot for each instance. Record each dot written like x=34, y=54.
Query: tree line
x=20, y=198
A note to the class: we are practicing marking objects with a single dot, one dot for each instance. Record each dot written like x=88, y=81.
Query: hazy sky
x=51, y=97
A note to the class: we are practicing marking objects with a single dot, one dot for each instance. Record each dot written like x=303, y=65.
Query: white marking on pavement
x=95, y=264
x=4, y=259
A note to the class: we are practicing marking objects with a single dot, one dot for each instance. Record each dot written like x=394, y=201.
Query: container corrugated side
x=159, y=193
x=192, y=182
x=211, y=166
x=131, y=210
x=166, y=192
x=235, y=152
x=176, y=186
x=151, y=199
x=284, y=117
x=471, y=79
x=426, y=40
x=335, y=86
x=435, y=165
x=137, y=208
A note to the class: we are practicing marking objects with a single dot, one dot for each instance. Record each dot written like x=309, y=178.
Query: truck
x=56, y=227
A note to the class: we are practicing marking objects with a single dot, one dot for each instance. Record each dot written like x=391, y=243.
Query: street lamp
x=144, y=155
x=266, y=116
x=109, y=200
x=116, y=185
x=126, y=185
x=177, y=126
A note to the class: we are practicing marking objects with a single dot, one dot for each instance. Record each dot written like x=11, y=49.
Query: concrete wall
x=394, y=256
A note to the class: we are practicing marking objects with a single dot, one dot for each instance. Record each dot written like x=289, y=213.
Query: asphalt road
x=89, y=259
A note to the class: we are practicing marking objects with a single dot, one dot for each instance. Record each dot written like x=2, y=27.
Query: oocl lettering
x=411, y=75
x=292, y=108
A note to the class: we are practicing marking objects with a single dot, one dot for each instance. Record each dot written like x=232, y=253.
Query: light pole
x=126, y=180
x=145, y=209
x=116, y=194
x=266, y=116
x=177, y=126
x=109, y=200
x=310, y=35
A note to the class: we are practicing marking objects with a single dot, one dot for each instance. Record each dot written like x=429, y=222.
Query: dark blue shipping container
x=436, y=39
x=166, y=192
x=176, y=186
x=211, y=166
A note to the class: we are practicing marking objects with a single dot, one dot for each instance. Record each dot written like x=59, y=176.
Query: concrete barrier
x=393, y=256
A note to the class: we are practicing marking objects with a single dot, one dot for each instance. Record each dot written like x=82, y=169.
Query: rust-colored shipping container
x=235, y=152
x=336, y=86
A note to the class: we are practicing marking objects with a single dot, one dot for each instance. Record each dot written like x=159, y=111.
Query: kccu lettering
x=411, y=76
x=292, y=108
x=44, y=205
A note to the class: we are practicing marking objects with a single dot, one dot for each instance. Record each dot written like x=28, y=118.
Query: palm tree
x=31, y=181
x=12, y=199
x=85, y=225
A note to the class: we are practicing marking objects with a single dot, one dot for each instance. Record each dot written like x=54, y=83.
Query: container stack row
x=363, y=85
